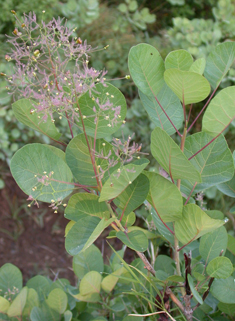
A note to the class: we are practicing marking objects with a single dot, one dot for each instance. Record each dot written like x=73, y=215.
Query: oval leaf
x=194, y=223
x=219, y=268
x=224, y=290
x=22, y=110
x=39, y=172
x=57, y=300
x=104, y=112
x=213, y=243
x=134, y=195
x=4, y=305
x=90, y=283
x=165, y=197
x=171, y=105
x=220, y=112
x=170, y=157
x=89, y=260
x=10, y=278
x=108, y=283
x=228, y=188
x=17, y=306
x=188, y=86
x=79, y=160
x=85, y=204
x=219, y=62
x=135, y=240
x=198, y=66
x=179, y=59
x=121, y=178
x=214, y=163
x=146, y=68
x=83, y=233
x=41, y=285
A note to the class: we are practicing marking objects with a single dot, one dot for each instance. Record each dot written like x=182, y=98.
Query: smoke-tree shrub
x=100, y=184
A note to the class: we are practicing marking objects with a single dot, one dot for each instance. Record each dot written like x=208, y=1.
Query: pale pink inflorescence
x=52, y=69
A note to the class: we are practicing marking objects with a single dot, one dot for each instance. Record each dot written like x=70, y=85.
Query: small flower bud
x=127, y=76
x=36, y=53
x=13, y=11
x=79, y=41
x=23, y=25
x=7, y=58
x=2, y=74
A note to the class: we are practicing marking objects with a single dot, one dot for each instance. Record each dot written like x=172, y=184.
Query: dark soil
x=33, y=238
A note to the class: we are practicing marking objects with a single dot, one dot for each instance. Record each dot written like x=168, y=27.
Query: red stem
x=88, y=145
x=190, y=193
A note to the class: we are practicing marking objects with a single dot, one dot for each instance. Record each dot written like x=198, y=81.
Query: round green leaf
x=85, y=204
x=198, y=66
x=134, y=195
x=22, y=110
x=32, y=301
x=105, y=120
x=194, y=224
x=231, y=244
x=83, y=233
x=68, y=315
x=214, y=163
x=227, y=308
x=219, y=62
x=68, y=227
x=170, y=157
x=189, y=87
x=165, y=197
x=146, y=68
x=89, y=260
x=57, y=300
x=228, y=188
x=219, y=268
x=224, y=290
x=220, y=112
x=10, y=279
x=213, y=243
x=108, y=283
x=37, y=314
x=164, y=263
x=4, y=304
x=121, y=178
x=90, y=283
x=79, y=160
x=179, y=59
x=17, y=306
x=172, y=106
x=35, y=162
x=136, y=240
x=41, y=285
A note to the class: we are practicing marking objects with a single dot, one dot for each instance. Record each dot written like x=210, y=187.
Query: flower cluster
x=51, y=66
x=123, y=152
